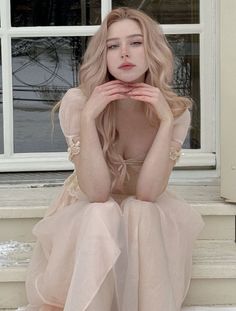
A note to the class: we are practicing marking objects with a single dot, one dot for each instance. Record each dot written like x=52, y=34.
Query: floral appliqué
x=174, y=154
x=73, y=149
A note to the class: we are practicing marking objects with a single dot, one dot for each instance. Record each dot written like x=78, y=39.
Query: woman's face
x=126, y=60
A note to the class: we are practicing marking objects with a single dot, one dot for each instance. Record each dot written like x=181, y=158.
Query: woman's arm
x=158, y=164
x=77, y=119
x=157, y=167
x=78, y=128
x=92, y=171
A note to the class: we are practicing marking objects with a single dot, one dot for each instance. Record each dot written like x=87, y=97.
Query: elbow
x=98, y=198
x=149, y=195
x=97, y=194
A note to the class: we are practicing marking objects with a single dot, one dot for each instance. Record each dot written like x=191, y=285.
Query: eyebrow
x=130, y=36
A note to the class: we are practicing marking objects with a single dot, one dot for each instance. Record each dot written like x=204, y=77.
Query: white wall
x=228, y=98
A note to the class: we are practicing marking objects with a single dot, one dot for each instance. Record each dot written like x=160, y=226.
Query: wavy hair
x=94, y=72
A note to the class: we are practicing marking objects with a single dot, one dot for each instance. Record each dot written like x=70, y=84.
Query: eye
x=136, y=43
x=112, y=46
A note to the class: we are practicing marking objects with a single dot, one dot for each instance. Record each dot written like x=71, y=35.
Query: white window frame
x=200, y=159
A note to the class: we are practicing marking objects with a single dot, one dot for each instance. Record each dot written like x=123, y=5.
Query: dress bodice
x=132, y=167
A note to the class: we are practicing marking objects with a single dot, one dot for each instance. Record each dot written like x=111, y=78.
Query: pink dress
x=120, y=255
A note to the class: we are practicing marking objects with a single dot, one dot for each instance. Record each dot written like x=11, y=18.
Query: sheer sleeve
x=181, y=126
x=180, y=130
x=69, y=116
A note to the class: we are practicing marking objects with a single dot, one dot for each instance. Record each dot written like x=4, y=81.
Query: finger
x=108, y=85
x=117, y=89
x=141, y=92
x=140, y=84
x=141, y=98
x=113, y=82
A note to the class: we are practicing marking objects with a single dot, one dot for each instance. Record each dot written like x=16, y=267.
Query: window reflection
x=166, y=11
x=186, y=79
x=43, y=69
x=55, y=13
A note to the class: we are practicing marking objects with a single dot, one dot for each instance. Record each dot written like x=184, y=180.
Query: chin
x=130, y=80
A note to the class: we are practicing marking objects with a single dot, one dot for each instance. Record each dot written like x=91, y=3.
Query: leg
x=148, y=276
x=97, y=250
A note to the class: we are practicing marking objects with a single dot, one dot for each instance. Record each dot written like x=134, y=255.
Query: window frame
x=197, y=163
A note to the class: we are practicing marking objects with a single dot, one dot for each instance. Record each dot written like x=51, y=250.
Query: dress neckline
x=132, y=160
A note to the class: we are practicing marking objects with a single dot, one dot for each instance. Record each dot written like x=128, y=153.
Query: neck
x=130, y=105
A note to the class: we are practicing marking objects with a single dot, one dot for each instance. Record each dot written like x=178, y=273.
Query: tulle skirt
x=121, y=255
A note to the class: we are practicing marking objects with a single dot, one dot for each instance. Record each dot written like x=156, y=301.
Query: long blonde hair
x=93, y=72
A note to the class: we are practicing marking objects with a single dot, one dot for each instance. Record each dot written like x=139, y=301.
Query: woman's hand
x=153, y=96
x=103, y=95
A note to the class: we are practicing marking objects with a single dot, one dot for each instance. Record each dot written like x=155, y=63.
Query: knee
x=137, y=200
x=107, y=205
x=107, y=209
x=108, y=213
x=146, y=209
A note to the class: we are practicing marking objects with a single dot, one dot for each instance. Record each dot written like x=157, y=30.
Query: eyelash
x=113, y=46
x=136, y=42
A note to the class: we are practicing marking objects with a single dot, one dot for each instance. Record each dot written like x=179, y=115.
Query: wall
x=228, y=98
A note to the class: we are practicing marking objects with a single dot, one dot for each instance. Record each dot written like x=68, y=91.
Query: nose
x=124, y=55
x=124, y=52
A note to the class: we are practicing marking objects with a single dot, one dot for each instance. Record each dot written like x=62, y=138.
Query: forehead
x=123, y=28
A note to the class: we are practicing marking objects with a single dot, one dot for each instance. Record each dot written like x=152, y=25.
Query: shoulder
x=181, y=126
x=70, y=109
x=183, y=119
x=73, y=99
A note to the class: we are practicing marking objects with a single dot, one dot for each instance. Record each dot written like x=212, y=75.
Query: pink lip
x=126, y=65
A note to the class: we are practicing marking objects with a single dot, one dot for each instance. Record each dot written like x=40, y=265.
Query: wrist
x=167, y=122
x=86, y=117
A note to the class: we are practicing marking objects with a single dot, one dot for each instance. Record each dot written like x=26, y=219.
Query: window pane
x=43, y=69
x=55, y=13
x=166, y=11
x=186, y=79
x=1, y=116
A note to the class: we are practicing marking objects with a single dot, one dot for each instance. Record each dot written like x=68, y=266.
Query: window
x=40, y=63
x=43, y=68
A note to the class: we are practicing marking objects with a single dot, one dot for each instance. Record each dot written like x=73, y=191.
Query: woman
x=116, y=239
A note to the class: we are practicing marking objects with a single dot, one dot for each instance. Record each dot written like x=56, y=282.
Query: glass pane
x=1, y=116
x=55, y=13
x=187, y=79
x=166, y=11
x=43, y=69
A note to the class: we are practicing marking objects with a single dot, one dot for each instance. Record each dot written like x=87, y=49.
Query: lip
x=126, y=65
